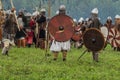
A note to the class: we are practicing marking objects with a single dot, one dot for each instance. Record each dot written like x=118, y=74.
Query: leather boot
x=64, y=55
x=18, y=43
x=23, y=42
x=55, y=56
x=95, y=56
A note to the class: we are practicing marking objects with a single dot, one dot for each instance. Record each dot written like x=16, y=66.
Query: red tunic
x=29, y=37
x=32, y=24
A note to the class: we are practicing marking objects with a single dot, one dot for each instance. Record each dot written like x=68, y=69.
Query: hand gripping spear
x=14, y=12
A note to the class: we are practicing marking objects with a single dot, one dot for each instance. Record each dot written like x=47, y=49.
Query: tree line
x=75, y=8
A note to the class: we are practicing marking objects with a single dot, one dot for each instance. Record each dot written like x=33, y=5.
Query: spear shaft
x=47, y=33
x=15, y=15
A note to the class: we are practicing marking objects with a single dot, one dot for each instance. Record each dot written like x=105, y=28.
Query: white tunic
x=58, y=46
x=20, y=22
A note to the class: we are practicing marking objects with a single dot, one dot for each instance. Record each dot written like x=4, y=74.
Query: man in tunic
x=56, y=46
x=117, y=27
x=21, y=34
x=9, y=30
x=41, y=30
x=95, y=23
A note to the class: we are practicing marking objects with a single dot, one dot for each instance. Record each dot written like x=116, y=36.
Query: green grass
x=31, y=64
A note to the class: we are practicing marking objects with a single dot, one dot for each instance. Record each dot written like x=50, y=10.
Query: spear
x=1, y=6
x=14, y=12
x=47, y=33
x=2, y=12
x=49, y=8
x=40, y=5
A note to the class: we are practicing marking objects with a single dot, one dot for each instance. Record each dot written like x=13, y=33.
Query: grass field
x=31, y=64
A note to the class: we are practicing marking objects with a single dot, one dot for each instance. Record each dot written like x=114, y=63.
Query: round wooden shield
x=77, y=36
x=114, y=37
x=61, y=27
x=93, y=40
x=104, y=31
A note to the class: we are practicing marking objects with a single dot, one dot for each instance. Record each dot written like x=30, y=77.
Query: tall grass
x=31, y=64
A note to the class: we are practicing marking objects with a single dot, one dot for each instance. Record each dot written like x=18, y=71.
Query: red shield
x=61, y=27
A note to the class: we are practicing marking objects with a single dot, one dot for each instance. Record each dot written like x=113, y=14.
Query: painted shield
x=61, y=27
x=77, y=36
x=93, y=40
x=114, y=37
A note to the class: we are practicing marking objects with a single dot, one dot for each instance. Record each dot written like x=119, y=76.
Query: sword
x=82, y=54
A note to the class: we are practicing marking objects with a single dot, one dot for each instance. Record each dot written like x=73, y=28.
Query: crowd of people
x=24, y=31
x=32, y=30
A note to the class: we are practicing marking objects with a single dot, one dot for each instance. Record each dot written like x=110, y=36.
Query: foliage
x=31, y=64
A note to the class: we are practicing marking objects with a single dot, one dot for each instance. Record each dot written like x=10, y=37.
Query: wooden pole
x=47, y=33
x=14, y=12
x=49, y=8
x=1, y=5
